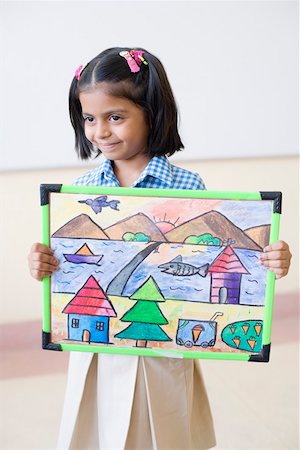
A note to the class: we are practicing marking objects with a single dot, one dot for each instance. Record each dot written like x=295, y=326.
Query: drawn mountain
x=139, y=223
x=260, y=234
x=216, y=224
x=81, y=226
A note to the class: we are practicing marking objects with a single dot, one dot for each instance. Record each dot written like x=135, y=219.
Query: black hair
x=149, y=89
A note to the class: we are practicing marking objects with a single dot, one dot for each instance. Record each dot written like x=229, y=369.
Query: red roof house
x=89, y=312
x=226, y=272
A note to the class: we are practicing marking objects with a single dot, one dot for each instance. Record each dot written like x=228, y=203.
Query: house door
x=223, y=294
x=86, y=336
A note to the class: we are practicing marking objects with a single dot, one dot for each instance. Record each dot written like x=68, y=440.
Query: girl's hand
x=41, y=261
x=277, y=258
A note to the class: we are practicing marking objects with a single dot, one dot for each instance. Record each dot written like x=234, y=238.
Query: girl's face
x=114, y=125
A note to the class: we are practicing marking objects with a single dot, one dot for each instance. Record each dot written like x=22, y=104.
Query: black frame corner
x=276, y=196
x=47, y=345
x=263, y=356
x=45, y=189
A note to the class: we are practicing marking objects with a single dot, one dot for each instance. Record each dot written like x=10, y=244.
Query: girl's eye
x=88, y=119
x=114, y=118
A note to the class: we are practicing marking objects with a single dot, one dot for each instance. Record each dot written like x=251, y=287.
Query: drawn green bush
x=141, y=237
x=128, y=237
x=137, y=237
x=203, y=239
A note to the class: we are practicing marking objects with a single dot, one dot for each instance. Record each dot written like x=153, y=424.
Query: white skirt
x=120, y=402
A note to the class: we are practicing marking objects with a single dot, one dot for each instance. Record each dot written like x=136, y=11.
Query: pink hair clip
x=134, y=59
x=138, y=56
x=134, y=67
x=79, y=71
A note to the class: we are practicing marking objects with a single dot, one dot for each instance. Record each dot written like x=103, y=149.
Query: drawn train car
x=199, y=333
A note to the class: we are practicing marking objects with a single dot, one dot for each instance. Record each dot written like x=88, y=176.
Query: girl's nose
x=102, y=131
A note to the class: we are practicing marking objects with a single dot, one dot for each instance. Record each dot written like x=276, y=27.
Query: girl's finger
x=43, y=266
x=275, y=255
x=46, y=258
x=38, y=275
x=279, y=245
x=276, y=264
x=41, y=248
x=279, y=272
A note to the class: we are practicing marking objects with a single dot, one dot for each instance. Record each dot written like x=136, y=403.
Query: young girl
x=121, y=105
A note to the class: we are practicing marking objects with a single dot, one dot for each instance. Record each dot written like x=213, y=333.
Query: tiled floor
x=255, y=405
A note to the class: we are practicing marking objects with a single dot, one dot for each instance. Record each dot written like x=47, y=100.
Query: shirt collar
x=106, y=171
x=158, y=167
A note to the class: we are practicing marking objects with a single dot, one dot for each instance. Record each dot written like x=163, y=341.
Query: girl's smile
x=108, y=146
x=115, y=125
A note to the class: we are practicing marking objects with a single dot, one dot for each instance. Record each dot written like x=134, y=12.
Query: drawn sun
x=165, y=225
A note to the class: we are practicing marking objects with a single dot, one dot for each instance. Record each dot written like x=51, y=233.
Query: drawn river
x=117, y=255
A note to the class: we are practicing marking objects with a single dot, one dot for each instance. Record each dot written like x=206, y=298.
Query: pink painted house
x=226, y=273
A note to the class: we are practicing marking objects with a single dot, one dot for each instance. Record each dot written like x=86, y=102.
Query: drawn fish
x=100, y=202
x=177, y=267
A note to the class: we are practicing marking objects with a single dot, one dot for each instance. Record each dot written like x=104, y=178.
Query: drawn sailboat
x=83, y=255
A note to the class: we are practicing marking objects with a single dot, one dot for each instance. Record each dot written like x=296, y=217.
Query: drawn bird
x=177, y=267
x=100, y=202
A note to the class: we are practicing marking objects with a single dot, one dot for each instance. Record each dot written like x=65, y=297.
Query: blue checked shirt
x=159, y=174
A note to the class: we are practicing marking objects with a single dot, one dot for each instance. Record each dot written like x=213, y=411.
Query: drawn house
x=89, y=313
x=226, y=274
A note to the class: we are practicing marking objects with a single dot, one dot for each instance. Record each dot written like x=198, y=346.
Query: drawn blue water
x=197, y=288
x=71, y=277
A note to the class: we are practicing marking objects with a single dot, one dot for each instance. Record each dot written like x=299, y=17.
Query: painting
x=168, y=273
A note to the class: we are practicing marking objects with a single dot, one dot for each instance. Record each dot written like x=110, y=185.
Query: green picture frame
x=159, y=272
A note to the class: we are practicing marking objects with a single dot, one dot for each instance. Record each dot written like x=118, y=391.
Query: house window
x=100, y=326
x=75, y=323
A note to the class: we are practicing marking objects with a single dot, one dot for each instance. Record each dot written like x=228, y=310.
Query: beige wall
x=20, y=219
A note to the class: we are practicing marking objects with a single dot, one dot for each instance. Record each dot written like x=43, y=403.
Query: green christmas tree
x=145, y=316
